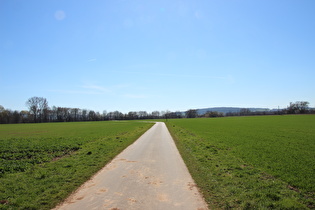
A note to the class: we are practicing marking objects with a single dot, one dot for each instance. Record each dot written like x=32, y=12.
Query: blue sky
x=133, y=55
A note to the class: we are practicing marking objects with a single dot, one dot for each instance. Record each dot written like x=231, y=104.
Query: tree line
x=298, y=107
x=39, y=111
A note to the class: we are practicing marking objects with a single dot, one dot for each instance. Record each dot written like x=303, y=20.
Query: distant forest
x=39, y=111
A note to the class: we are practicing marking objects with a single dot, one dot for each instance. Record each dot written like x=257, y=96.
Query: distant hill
x=225, y=110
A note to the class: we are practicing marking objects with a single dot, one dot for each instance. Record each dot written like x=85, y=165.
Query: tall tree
x=299, y=107
x=38, y=107
x=43, y=109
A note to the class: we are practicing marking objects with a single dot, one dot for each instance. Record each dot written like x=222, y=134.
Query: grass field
x=250, y=162
x=40, y=164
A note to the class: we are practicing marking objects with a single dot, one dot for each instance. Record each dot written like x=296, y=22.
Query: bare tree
x=105, y=115
x=299, y=107
x=66, y=114
x=142, y=114
x=38, y=107
x=43, y=109
x=132, y=115
x=74, y=114
x=117, y=115
x=91, y=116
x=156, y=114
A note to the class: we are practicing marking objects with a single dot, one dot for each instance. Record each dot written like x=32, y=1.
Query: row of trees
x=193, y=113
x=299, y=107
x=39, y=111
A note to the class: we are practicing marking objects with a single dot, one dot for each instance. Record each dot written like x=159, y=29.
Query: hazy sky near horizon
x=133, y=55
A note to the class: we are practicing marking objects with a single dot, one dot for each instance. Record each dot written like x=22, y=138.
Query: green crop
x=41, y=164
x=250, y=162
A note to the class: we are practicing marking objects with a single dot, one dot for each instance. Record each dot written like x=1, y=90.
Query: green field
x=40, y=164
x=250, y=162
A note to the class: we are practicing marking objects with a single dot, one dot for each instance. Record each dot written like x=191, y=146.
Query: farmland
x=250, y=162
x=40, y=164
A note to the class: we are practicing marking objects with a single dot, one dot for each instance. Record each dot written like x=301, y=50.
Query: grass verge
x=250, y=162
x=41, y=164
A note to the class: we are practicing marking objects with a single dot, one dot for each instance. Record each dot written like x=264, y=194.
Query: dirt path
x=149, y=174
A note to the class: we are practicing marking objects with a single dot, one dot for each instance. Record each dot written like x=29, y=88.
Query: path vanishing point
x=149, y=174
